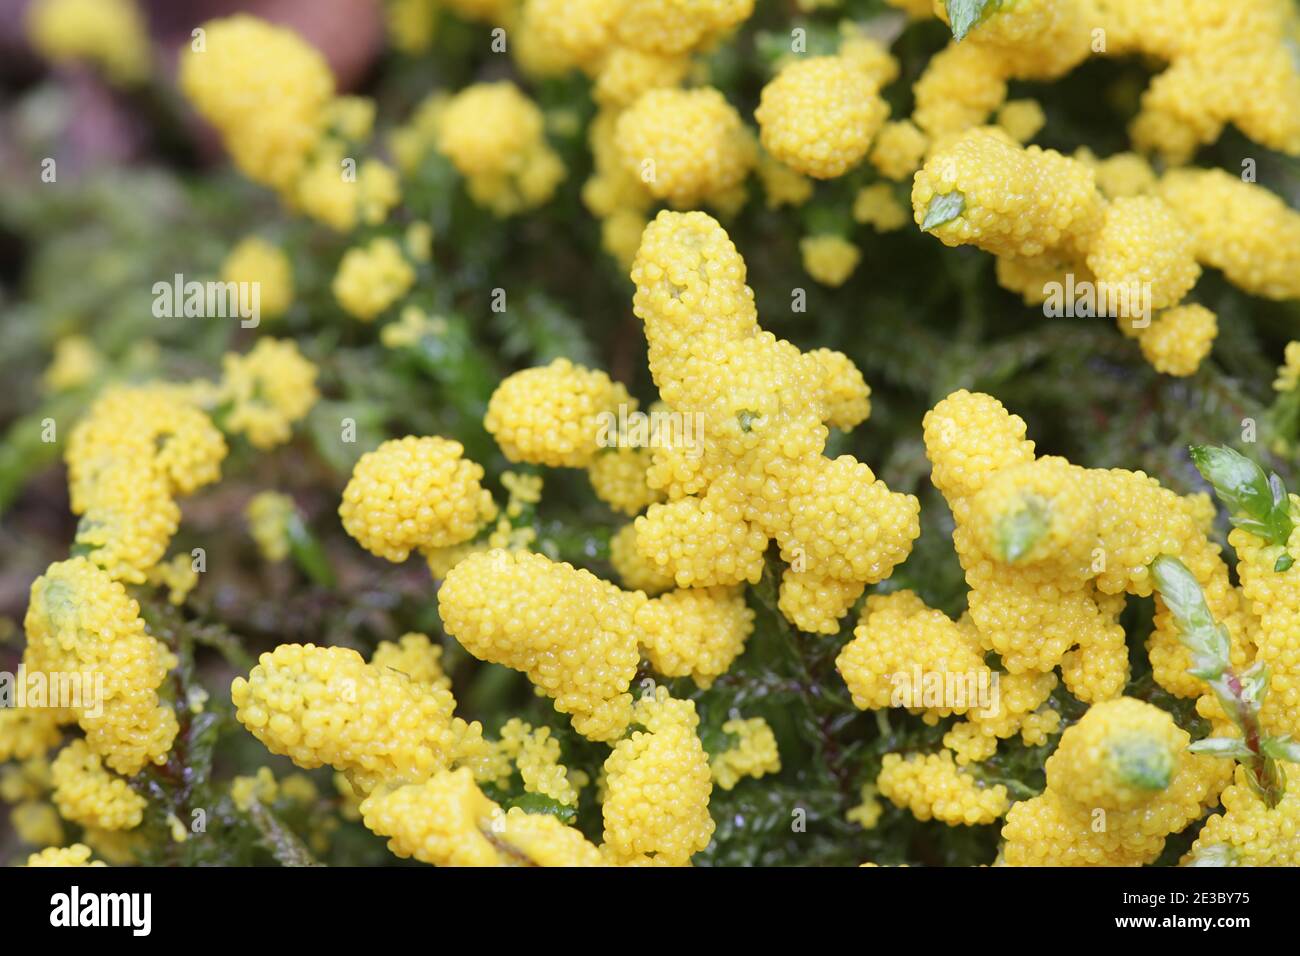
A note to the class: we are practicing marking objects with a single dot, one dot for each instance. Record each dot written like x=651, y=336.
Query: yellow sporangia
x=819, y=114
x=571, y=633
x=268, y=390
x=932, y=786
x=111, y=34
x=326, y=705
x=656, y=806
x=494, y=135
x=687, y=147
x=264, y=89
x=755, y=753
x=134, y=453
x=88, y=793
x=1120, y=782
x=763, y=407
x=448, y=821
x=371, y=278
x=80, y=621
x=1049, y=549
x=254, y=260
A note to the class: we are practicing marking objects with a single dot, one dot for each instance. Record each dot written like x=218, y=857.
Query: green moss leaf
x=1198, y=630
x=1282, y=748
x=1256, y=502
x=539, y=803
x=1143, y=763
x=1219, y=854
x=285, y=845
x=1019, y=531
x=1233, y=747
x=943, y=209
x=308, y=553
x=965, y=15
